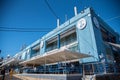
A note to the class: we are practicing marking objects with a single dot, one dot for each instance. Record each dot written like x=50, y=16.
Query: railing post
x=45, y=66
x=93, y=68
x=114, y=66
x=104, y=65
x=83, y=78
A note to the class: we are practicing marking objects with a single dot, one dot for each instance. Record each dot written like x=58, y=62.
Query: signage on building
x=81, y=23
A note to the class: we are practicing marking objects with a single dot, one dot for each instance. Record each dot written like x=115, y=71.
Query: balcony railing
x=35, y=54
x=97, y=68
x=72, y=47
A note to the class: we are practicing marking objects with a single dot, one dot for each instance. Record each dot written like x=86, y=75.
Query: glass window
x=112, y=38
x=35, y=50
x=68, y=39
x=107, y=36
x=51, y=44
x=104, y=34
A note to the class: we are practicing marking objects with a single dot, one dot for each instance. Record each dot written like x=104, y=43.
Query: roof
x=10, y=61
x=57, y=55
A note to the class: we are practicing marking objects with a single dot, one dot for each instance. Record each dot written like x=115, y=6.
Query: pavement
x=16, y=77
x=7, y=77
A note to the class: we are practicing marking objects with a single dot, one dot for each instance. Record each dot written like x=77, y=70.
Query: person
x=3, y=73
x=11, y=73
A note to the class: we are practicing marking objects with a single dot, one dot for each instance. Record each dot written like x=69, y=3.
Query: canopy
x=114, y=44
x=10, y=62
x=54, y=56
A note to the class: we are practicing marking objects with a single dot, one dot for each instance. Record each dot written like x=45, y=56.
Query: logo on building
x=81, y=23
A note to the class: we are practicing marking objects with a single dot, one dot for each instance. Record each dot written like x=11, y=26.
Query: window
x=112, y=38
x=109, y=54
x=68, y=37
x=35, y=50
x=20, y=57
x=107, y=36
x=104, y=34
x=51, y=44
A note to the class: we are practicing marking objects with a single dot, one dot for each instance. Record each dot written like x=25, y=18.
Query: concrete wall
x=49, y=77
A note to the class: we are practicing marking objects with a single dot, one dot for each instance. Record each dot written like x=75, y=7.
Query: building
x=84, y=44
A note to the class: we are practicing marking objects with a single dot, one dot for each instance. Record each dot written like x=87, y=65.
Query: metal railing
x=101, y=68
x=35, y=54
x=85, y=69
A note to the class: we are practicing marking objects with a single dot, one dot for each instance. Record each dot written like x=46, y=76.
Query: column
x=58, y=43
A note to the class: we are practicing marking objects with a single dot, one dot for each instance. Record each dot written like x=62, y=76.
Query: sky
x=35, y=14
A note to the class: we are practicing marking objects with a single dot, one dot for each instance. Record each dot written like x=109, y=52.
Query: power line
x=25, y=29
x=113, y=18
x=50, y=8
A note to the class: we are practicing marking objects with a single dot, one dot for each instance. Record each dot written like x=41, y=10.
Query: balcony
x=65, y=53
x=35, y=54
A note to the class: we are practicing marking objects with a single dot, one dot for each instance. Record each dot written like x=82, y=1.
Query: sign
x=81, y=23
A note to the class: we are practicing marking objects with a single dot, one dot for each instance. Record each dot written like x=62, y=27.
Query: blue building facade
x=84, y=33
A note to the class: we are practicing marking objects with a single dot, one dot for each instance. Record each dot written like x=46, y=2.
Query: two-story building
x=83, y=44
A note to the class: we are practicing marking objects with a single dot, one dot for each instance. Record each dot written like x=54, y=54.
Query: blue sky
x=36, y=14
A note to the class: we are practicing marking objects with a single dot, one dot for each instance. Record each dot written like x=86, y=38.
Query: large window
x=68, y=37
x=51, y=44
x=107, y=36
x=109, y=54
x=104, y=34
x=112, y=38
x=35, y=50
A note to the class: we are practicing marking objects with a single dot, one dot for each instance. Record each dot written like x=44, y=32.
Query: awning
x=36, y=47
x=11, y=61
x=57, y=55
x=114, y=44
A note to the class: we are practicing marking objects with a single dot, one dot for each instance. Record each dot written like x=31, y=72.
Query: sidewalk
x=13, y=78
x=16, y=77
